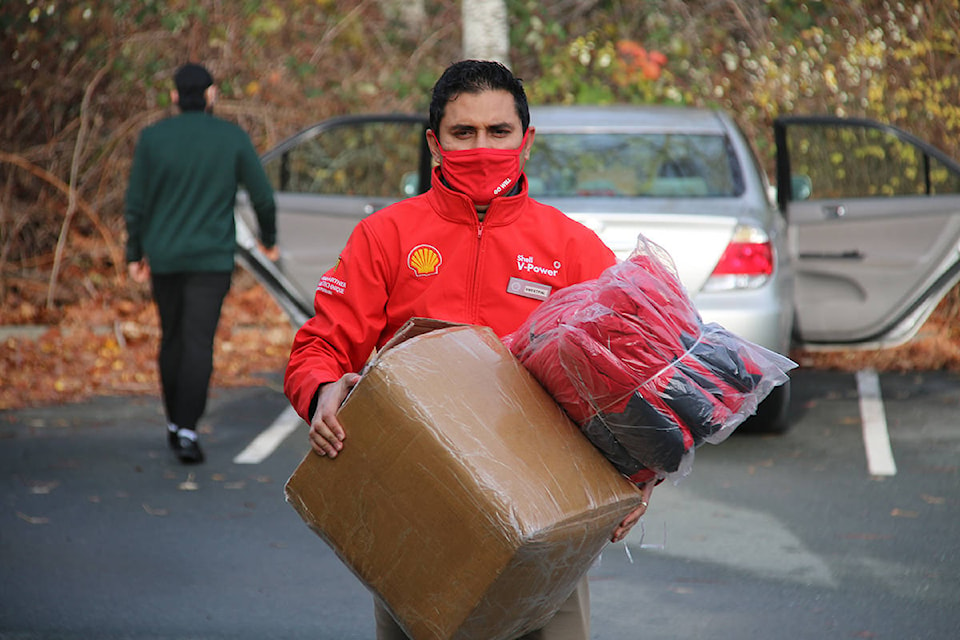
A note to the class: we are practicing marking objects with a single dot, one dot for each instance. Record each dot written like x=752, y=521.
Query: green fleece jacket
x=182, y=190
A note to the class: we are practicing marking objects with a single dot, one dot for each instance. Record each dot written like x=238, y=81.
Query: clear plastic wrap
x=629, y=359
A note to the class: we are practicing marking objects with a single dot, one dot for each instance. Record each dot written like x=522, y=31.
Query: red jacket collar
x=456, y=207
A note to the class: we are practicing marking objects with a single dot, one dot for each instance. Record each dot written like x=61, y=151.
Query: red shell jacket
x=430, y=256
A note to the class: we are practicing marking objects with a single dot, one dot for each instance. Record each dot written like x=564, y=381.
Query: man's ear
x=528, y=144
x=210, y=95
x=434, y=146
x=175, y=97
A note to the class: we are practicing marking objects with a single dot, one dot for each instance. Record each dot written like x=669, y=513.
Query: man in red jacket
x=474, y=249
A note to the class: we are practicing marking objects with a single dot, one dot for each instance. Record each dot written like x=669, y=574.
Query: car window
x=860, y=161
x=632, y=165
x=355, y=159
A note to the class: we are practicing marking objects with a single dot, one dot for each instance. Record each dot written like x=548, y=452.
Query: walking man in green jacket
x=181, y=237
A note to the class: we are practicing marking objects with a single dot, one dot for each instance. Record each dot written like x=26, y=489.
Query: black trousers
x=189, y=307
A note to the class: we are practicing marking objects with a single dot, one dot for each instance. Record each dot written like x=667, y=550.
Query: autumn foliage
x=80, y=80
x=107, y=345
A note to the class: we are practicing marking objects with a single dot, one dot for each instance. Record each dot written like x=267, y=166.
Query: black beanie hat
x=191, y=81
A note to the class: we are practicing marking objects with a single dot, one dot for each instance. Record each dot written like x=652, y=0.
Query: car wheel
x=773, y=414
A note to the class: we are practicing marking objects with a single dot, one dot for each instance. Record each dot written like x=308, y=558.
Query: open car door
x=326, y=179
x=874, y=217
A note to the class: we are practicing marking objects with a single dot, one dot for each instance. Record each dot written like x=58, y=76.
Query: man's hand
x=634, y=516
x=272, y=254
x=326, y=432
x=139, y=271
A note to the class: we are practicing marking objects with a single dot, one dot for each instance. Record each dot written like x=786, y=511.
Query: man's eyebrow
x=471, y=127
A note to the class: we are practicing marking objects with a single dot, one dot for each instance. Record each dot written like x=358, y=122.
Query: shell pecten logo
x=424, y=260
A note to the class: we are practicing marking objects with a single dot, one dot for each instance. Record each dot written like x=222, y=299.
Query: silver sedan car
x=854, y=247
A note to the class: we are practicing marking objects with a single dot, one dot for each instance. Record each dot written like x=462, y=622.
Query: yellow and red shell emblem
x=424, y=260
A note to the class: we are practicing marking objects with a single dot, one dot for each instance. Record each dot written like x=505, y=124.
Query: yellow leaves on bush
x=273, y=22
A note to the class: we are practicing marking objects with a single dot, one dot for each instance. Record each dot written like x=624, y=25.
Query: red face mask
x=482, y=174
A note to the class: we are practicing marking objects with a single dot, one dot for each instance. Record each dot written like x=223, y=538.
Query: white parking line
x=268, y=441
x=876, y=439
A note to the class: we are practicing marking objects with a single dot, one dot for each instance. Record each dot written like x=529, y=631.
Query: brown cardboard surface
x=463, y=497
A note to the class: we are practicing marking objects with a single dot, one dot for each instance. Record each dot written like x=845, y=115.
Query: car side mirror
x=801, y=187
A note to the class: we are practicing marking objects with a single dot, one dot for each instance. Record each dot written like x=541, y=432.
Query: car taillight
x=746, y=263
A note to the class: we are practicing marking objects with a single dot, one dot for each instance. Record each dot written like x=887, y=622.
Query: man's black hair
x=475, y=76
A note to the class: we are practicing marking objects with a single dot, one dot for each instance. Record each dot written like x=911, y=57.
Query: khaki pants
x=572, y=621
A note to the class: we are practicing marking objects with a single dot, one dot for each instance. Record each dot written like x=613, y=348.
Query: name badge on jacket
x=528, y=289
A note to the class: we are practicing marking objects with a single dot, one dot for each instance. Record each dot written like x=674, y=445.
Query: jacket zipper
x=474, y=293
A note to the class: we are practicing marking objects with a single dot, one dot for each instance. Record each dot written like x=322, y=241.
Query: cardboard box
x=464, y=499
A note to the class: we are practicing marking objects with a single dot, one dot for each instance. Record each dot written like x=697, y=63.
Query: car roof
x=628, y=118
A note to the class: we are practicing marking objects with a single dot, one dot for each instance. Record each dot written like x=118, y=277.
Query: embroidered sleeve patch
x=329, y=284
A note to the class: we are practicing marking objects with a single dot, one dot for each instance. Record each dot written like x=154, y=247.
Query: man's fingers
x=317, y=444
x=324, y=441
x=634, y=516
x=326, y=432
x=647, y=492
x=324, y=446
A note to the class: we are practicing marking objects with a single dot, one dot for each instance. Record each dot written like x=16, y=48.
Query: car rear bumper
x=757, y=316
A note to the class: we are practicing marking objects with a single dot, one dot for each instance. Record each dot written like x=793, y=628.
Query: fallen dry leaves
x=106, y=344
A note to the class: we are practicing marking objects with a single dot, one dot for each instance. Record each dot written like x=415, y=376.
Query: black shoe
x=188, y=449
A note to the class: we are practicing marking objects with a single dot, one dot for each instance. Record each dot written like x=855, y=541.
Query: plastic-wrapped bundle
x=631, y=362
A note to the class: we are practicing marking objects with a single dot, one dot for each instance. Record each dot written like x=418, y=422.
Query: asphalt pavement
x=104, y=534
